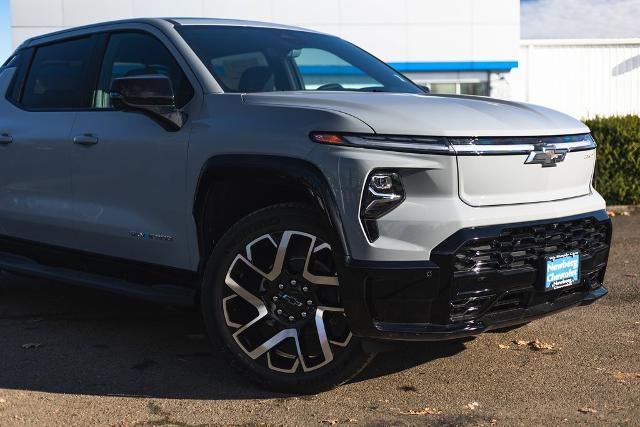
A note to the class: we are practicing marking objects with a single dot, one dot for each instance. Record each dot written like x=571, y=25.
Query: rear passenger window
x=58, y=76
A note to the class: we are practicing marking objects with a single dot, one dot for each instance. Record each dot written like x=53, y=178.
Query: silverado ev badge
x=546, y=155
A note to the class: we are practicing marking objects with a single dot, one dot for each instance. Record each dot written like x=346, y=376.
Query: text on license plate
x=562, y=270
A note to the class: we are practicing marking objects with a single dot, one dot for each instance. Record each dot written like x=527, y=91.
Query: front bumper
x=478, y=279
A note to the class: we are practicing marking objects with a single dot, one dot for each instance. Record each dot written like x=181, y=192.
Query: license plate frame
x=562, y=271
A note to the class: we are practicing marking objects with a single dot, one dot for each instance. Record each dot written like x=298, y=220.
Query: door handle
x=5, y=138
x=86, y=139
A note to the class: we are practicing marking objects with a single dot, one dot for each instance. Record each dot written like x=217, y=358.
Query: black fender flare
x=300, y=171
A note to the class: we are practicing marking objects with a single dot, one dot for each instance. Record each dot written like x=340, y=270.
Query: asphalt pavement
x=70, y=356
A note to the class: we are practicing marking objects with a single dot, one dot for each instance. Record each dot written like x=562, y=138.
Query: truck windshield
x=256, y=59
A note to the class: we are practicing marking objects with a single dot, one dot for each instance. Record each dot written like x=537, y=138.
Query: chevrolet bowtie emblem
x=546, y=155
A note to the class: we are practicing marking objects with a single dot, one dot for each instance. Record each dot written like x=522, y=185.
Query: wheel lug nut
x=291, y=318
x=279, y=311
x=305, y=289
x=280, y=286
x=293, y=282
x=275, y=298
x=303, y=314
x=309, y=302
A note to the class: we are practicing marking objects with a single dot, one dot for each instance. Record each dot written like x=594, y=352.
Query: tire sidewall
x=269, y=220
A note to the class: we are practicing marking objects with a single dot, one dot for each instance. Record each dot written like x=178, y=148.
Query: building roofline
x=578, y=42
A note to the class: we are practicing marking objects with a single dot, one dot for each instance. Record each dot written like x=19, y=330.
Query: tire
x=285, y=329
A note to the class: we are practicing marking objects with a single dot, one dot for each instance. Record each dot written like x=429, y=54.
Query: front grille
x=501, y=271
x=521, y=247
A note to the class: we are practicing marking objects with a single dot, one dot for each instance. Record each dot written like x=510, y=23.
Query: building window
x=449, y=88
x=454, y=82
x=480, y=88
x=476, y=88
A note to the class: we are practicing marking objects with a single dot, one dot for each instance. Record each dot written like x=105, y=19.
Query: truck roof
x=160, y=23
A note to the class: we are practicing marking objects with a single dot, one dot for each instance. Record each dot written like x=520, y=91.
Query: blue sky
x=5, y=35
x=579, y=18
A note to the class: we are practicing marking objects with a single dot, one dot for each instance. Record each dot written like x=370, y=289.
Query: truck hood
x=431, y=115
x=483, y=179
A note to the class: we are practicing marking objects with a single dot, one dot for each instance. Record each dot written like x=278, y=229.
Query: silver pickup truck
x=313, y=202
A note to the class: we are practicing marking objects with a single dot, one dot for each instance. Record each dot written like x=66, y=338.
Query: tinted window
x=265, y=59
x=17, y=61
x=58, y=76
x=136, y=54
x=12, y=61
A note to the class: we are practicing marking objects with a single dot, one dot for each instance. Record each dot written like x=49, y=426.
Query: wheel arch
x=235, y=177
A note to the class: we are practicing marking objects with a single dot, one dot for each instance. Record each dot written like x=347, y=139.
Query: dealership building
x=453, y=46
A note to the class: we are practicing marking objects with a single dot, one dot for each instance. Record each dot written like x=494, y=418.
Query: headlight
x=383, y=192
x=382, y=142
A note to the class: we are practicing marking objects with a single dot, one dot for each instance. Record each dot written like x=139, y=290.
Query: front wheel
x=271, y=295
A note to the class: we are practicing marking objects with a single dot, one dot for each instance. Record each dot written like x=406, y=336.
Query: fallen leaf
x=625, y=213
x=611, y=213
x=504, y=346
x=587, y=410
x=31, y=345
x=473, y=405
x=493, y=422
x=539, y=345
x=3, y=401
x=425, y=411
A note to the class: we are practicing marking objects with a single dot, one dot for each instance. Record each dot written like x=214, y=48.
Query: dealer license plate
x=562, y=271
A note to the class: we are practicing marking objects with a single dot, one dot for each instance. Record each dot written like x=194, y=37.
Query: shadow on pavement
x=62, y=339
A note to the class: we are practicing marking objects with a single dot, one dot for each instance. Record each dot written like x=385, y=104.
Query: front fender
x=298, y=171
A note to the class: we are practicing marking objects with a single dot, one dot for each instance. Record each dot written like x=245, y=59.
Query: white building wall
x=397, y=31
x=583, y=78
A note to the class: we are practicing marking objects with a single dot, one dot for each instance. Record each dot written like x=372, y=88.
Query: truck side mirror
x=152, y=93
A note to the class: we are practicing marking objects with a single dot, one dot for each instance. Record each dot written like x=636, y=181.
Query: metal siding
x=400, y=31
x=581, y=78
